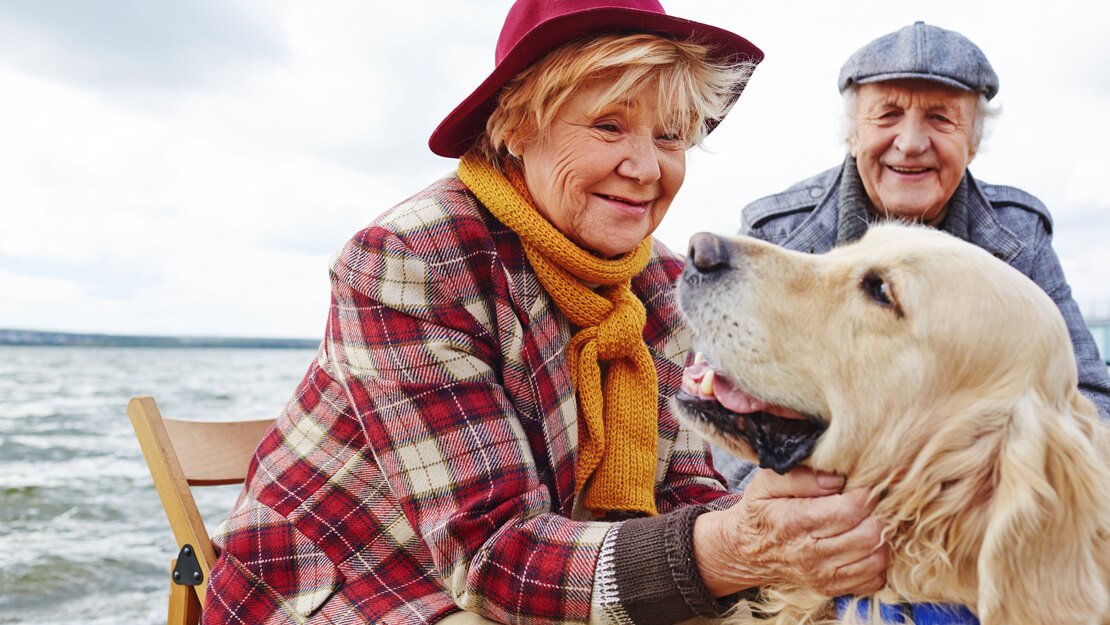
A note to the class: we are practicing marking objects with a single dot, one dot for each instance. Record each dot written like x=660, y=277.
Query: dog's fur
x=955, y=402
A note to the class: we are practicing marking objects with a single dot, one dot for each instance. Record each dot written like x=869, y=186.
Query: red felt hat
x=535, y=27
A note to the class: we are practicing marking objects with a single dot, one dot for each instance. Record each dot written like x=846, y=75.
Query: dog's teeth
x=699, y=357
x=707, y=383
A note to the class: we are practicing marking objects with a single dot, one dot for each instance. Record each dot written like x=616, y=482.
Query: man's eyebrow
x=942, y=105
x=886, y=103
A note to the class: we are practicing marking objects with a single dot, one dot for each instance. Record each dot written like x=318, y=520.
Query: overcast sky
x=188, y=166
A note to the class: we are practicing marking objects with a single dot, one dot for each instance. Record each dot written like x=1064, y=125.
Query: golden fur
x=956, y=404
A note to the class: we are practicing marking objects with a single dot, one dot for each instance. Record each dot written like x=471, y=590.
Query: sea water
x=83, y=538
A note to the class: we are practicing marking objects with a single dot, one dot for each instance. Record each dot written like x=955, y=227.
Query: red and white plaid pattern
x=427, y=460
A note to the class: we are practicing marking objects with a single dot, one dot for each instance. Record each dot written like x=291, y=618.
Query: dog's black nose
x=708, y=253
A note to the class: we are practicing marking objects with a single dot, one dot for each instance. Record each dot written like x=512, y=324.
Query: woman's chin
x=613, y=240
x=614, y=247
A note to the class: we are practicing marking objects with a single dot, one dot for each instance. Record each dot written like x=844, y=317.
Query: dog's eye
x=877, y=289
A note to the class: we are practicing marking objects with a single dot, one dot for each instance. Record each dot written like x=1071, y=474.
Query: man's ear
x=853, y=144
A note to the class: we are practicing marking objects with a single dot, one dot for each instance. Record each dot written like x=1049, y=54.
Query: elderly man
x=917, y=100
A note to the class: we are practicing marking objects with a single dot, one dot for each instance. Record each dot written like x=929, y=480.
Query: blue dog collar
x=922, y=613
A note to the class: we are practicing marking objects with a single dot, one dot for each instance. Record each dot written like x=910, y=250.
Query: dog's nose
x=708, y=253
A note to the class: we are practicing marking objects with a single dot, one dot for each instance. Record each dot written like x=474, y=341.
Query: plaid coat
x=427, y=459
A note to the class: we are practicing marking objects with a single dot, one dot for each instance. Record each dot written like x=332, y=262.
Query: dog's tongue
x=700, y=380
x=737, y=400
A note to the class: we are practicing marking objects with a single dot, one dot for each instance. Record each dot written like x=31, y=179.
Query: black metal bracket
x=187, y=570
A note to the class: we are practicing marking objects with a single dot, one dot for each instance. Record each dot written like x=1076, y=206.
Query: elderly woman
x=917, y=101
x=485, y=433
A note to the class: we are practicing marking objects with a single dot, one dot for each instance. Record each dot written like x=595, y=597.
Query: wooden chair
x=180, y=455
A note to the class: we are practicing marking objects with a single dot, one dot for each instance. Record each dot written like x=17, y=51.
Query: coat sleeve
x=1094, y=381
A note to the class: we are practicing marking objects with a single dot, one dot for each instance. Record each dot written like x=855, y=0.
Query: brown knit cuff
x=657, y=579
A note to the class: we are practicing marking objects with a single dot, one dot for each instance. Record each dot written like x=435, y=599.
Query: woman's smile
x=636, y=208
x=605, y=178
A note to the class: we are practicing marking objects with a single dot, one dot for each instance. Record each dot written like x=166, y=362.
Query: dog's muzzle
x=780, y=437
x=780, y=444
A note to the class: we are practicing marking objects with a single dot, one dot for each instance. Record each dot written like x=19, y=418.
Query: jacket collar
x=984, y=227
x=855, y=212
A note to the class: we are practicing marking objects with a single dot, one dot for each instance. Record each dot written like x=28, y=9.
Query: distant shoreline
x=70, y=339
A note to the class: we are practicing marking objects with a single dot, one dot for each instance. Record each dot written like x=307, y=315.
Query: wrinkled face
x=605, y=178
x=851, y=356
x=912, y=145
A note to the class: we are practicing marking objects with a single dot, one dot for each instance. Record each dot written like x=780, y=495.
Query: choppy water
x=83, y=538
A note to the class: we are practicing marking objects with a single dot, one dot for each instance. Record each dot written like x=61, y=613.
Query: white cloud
x=195, y=182
x=140, y=46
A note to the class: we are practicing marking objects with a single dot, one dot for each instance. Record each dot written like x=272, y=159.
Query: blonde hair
x=693, y=90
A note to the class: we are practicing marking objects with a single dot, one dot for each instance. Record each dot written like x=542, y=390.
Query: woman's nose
x=641, y=163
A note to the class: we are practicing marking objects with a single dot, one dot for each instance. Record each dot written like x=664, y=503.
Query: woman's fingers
x=827, y=517
x=800, y=482
x=799, y=528
x=862, y=576
x=811, y=501
x=851, y=561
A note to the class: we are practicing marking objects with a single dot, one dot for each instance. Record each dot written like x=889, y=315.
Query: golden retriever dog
x=933, y=374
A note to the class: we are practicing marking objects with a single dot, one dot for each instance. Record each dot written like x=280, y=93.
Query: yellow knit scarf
x=618, y=416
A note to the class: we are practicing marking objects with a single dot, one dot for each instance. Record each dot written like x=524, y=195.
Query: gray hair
x=983, y=112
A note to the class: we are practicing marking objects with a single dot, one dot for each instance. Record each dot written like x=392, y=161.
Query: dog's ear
x=1047, y=533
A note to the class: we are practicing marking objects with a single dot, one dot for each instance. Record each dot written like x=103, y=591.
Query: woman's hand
x=795, y=528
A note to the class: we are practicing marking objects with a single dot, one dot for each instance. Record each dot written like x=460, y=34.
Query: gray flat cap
x=925, y=52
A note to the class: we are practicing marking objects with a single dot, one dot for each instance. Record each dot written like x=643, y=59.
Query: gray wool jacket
x=1011, y=224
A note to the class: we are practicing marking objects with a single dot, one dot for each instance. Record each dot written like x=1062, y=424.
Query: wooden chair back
x=180, y=455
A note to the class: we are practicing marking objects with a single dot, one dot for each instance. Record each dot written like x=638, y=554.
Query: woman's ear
x=517, y=141
x=1047, y=541
x=513, y=148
